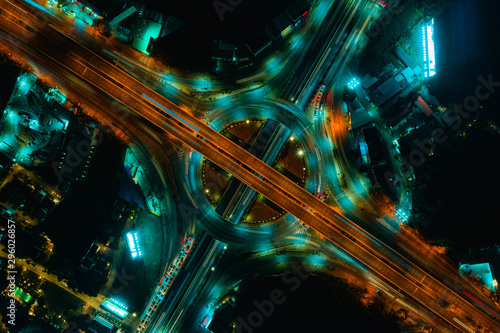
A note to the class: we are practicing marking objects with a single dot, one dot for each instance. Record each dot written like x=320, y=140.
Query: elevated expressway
x=375, y=255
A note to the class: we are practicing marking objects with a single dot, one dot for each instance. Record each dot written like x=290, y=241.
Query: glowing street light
x=353, y=83
x=402, y=215
x=115, y=307
x=133, y=243
x=429, y=55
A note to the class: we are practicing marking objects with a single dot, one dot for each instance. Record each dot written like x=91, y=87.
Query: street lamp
x=353, y=83
x=402, y=215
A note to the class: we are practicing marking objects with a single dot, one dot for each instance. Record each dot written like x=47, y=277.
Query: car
x=68, y=12
x=382, y=3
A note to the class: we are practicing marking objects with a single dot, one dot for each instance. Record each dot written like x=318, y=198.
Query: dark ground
x=191, y=46
x=319, y=304
x=10, y=73
x=465, y=48
x=459, y=207
x=81, y=217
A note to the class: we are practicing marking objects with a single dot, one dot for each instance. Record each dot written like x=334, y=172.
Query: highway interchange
x=394, y=257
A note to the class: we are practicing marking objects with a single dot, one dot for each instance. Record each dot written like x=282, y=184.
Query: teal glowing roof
x=143, y=32
x=481, y=270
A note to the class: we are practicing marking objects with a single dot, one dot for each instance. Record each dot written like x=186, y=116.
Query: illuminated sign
x=133, y=243
x=114, y=308
x=22, y=295
x=429, y=56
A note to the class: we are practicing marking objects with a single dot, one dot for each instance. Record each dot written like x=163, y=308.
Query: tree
x=41, y=301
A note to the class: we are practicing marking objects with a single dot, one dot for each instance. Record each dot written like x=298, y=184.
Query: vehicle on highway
x=69, y=12
x=318, y=107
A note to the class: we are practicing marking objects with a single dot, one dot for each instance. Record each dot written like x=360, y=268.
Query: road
x=186, y=285
x=93, y=302
x=194, y=133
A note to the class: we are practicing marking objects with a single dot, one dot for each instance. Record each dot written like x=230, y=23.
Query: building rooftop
x=386, y=90
x=423, y=106
x=145, y=31
x=375, y=150
x=400, y=116
x=101, y=325
x=489, y=255
x=405, y=58
x=359, y=115
x=481, y=271
x=412, y=141
x=408, y=74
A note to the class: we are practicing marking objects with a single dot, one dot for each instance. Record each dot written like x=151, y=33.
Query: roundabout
x=283, y=136
x=270, y=141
